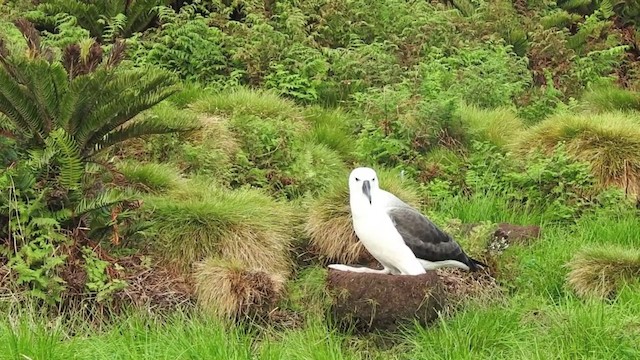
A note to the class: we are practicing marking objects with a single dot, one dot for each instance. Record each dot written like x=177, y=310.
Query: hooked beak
x=366, y=189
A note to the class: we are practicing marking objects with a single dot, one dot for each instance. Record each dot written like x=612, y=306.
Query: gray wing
x=424, y=238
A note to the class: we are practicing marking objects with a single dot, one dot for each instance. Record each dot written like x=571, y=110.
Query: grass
x=611, y=98
x=235, y=290
x=600, y=271
x=244, y=101
x=151, y=177
x=539, y=318
x=496, y=126
x=200, y=220
x=332, y=128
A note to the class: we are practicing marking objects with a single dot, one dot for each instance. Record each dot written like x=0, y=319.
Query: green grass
x=150, y=177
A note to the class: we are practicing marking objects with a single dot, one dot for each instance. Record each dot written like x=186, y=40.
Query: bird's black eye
x=357, y=179
x=374, y=179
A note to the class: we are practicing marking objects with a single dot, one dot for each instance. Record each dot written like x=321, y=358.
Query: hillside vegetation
x=174, y=173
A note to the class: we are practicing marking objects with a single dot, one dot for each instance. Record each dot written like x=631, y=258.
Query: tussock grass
x=329, y=226
x=188, y=94
x=201, y=220
x=244, y=101
x=497, y=126
x=234, y=290
x=314, y=166
x=611, y=98
x=210, y=150
x=609, y=142
x=600, y=271
x=150, y=177
x=333, y=128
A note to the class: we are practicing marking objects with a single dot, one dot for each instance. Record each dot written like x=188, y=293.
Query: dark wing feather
x=424, y=238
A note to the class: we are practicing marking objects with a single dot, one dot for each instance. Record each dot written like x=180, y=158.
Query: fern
x=104, y=19
x=71, y=167
x=103, y=200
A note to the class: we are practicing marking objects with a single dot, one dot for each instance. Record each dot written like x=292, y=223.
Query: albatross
x=403, y=240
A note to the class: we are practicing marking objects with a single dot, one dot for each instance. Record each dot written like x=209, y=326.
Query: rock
x=370, y=302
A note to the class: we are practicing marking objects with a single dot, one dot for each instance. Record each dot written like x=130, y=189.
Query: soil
x=369, y=302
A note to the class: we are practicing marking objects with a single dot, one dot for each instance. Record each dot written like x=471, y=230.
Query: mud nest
x=368, y=302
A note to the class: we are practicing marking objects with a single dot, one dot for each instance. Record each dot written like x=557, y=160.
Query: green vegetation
x=174, y=173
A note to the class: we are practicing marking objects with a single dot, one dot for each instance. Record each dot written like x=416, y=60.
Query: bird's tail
x=476, y=265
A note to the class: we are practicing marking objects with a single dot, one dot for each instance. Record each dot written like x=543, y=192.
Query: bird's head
x=363, y=185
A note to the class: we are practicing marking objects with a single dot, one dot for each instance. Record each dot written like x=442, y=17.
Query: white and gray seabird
x=403, y=240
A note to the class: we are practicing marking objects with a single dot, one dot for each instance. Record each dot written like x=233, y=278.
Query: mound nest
x=236, y=292
x=367, y=302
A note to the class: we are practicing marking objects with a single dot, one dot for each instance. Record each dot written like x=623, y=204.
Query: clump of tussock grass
x=313, y=165
x=609, y=143
x=188, y=94
x=611, y=98
x=234, y=290
x=496, y=126
x=210, y=150
x=150, y=177
x=244, y=101
x=200, y=220
x=329, y=227
x=600, y=271
x=333, y=128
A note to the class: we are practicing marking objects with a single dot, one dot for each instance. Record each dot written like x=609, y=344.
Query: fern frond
x=16, y=102
x=138, y=129
x=104, y=199
x=71, y=166
x=114, y=27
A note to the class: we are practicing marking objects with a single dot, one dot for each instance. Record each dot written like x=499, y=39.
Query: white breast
x=380, y=237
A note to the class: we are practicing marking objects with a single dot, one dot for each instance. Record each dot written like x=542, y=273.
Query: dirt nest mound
x=367, y=302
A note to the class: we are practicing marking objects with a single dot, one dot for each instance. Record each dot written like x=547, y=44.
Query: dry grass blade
x=600, y=272
x=234, y=291
x=117, y=54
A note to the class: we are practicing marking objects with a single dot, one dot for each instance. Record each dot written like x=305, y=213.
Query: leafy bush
x=60, y=116
x=553, y=184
